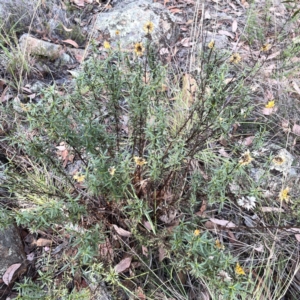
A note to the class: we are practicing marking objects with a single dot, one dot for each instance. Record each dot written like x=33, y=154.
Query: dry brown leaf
x=2, y=83
x=71, y=42
x=71, y=158
x=296, y=129
x=43, y=242
x=245, y=3
x=229, y=80
x=223, y=141
x=275, y=54
x=145, y=250
x=296, y=87
x=106, y=250
x=259, y=248
x=185, y=42
x=227, y=33
x=209, y=225
x=207, y=15
x=285, y=125
x=234, y=26
x=162, y=254
x=224, y=153
x=30, y=256
x=248, y=140
x=121, y=231
x=294, y=230
x=140, y=294
x=269, y=111
x=187, y=1
x=79, y=57
x=78, y=2
x=61, y=148
x=268, y=70
x=269, y=95
x=271, y=209
x=202, y=209
x=168, y=216
x=174, y=10
x=9, y=273
x=27, y=90
x=32, y=96
x=146, y=77
x=189, y=87
x=205, y=295
x=66, y=29
x=163, y=51
x=163, y=88
x=2, y=97
x=231, y=237
x=147, y=225
x=224, y=223
x=123, y=265
x=64, y=155
x=182, y=277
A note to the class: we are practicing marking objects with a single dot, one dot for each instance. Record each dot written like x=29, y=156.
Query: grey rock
x=129, y=17
x=37, y=86
x=33, y=46
x=293, y=173
x=2, y=173
x=220, y=40
x=287, y=159
x=97, y=286
x=11, y=249
x=257, y=174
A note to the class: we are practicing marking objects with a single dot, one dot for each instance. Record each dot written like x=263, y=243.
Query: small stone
x=37, y=86
x=128, y=19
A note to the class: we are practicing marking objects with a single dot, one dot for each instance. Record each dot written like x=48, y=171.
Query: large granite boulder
x=11, y=254
x=11, y=247
x=128, y=18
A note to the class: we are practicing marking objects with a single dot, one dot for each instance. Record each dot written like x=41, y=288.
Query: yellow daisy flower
x=266, y=47
x=106, y=45
x=148, y=27
x=139, y=161
x=197, y=232
x=270, y=104
x=24, y=107
x=284, y=195
x=278, y=160
x=139, y=49
x=219, y=245
x=235, y=58
x=211, y=44
x=79, y=177
x=245, y=158
x=239, y=270
x=112, y=171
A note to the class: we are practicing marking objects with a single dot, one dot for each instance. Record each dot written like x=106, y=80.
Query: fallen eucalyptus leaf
x=9, y=273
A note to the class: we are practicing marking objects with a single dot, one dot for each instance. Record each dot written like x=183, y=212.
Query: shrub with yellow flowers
x=142, y=165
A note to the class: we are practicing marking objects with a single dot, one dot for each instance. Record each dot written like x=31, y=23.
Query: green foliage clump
x=135, y=149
